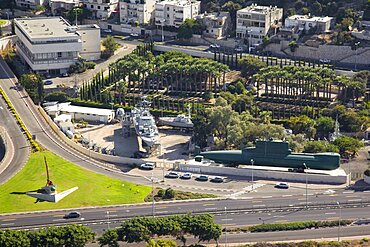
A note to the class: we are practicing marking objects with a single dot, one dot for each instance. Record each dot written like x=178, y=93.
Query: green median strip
x=301, y=225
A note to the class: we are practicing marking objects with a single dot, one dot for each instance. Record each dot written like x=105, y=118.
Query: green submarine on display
x=275, y=153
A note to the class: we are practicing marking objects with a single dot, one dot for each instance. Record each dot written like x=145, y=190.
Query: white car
x=172, y=175
x=134, y=35
x=186, y=175
x=282, y=185
x=147, y=166
x=238, y=49
x=214, y=46
x=107, y=30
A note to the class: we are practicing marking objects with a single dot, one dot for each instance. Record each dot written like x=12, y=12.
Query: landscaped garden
x=106, y=190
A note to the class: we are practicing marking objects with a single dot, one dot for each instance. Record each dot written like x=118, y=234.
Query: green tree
x=324, y=126
x=10, y=238
x=302, y=124
x=169, y=193
x=293, y=45
x=250, y=66
x=109, y=238
x=161, y=243
x=188, y=28
x=82, y=13
x=348, y=144
x=110, y=45
x=319, y=147
x=34, y=86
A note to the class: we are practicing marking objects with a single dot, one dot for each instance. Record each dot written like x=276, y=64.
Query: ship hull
x=169, y=121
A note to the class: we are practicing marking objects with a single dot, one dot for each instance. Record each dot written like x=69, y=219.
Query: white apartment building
x=90, y=38
x=60, y=6
x=50, y=45
x=175, y=12
x=256, y=22
x=30, y=3
x=141, y=11
x=217, y=24
x=101, y=9
x=306, y=22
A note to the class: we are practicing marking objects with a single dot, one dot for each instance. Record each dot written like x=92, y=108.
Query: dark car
x=48, y=82
x=73, y=214
x=202, y=178
x=217, y=180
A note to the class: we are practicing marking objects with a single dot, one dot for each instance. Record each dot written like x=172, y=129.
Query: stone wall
x=335, y=53
x=265, y=174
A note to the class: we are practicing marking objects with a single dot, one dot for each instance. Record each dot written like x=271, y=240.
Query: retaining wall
x=264, y=174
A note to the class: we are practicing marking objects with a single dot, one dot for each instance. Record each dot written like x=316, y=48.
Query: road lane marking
x=161, y=212
x=366, y=191
x=351, y=196
x=112, y=211
x=59, y=220
x=226, y=219
x=330, y=213
x=209, y=204
x=229, y=224
x=7, y=224
x=348, y=192
x=262, y=205
x=210, y=208
x=266, y=196
x=281, y=220
x=161, y=207
x=287, y=195
x=278, y=216
x=301, y=199
x=8, y=220
x=256, y=201
x=355, y=200
x=333, y=195
x=332, y=218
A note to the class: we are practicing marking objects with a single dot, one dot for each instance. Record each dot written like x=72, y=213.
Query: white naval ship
x=180, y=121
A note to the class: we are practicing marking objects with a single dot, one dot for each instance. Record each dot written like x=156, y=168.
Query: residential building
x=173, y=13
x=90, y=38
x=30, y=3
x=50, y=45
x=78, y=113
x=217, y=24
x=141, y=11
x=254, y=22
x=101, y=9
x=60, y=6
x=307, y=22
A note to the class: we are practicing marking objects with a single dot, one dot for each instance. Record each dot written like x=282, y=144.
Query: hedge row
x=291, y=226
x=35, y=146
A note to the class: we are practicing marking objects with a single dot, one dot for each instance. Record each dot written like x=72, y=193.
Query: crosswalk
x=245, y=190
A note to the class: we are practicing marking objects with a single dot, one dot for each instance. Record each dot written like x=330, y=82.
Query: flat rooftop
x=309, y=18
x=257, y=9
x=67, y=107
x=45, y=27
x=177, y=2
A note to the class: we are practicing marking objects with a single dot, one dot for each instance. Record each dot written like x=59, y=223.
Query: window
x=98, y=6
x=59, y=54
x=92, y=6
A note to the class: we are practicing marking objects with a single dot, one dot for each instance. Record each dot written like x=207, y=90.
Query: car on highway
x=172, y=175
x=217, y=179
x=282, y=185
x=214, y=46
x=147, y=166
x=73, y=214
x=186, y=175
x=48, y=82
x=202, y=178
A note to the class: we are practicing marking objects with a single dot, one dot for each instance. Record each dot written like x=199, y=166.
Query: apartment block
x=50, y=45
x=173, y=13
x=307, y=22
x=101, y=9
x=140, y=11
x=31, y=4
x=256, y=22
x=217, y=24
x=60, y=6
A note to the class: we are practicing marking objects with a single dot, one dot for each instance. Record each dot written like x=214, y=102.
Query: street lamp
x=349, y=172
x=306, y=168
x=162, y=24
x=356, y=46
x=225, y=227
x=340, y=218
x=108, y=219
x=263, y=221
x=252, y=161
x=152, y=178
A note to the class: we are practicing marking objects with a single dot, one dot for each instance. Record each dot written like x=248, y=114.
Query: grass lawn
x=94, y=189
x=2, y=22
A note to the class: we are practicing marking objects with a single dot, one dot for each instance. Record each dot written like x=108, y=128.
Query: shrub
x=169, y=194
x=161, y=193
x=367, y=172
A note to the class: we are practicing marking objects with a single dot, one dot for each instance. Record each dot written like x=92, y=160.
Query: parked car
x=217, y=180
x=48, y=82
x=172, y=175
x=202, y=178
x=186, y=175
x=107, y=30
x=239, y=49
x=73, y=214
x=147, y=166
x=134, y=35
x=282, y=185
